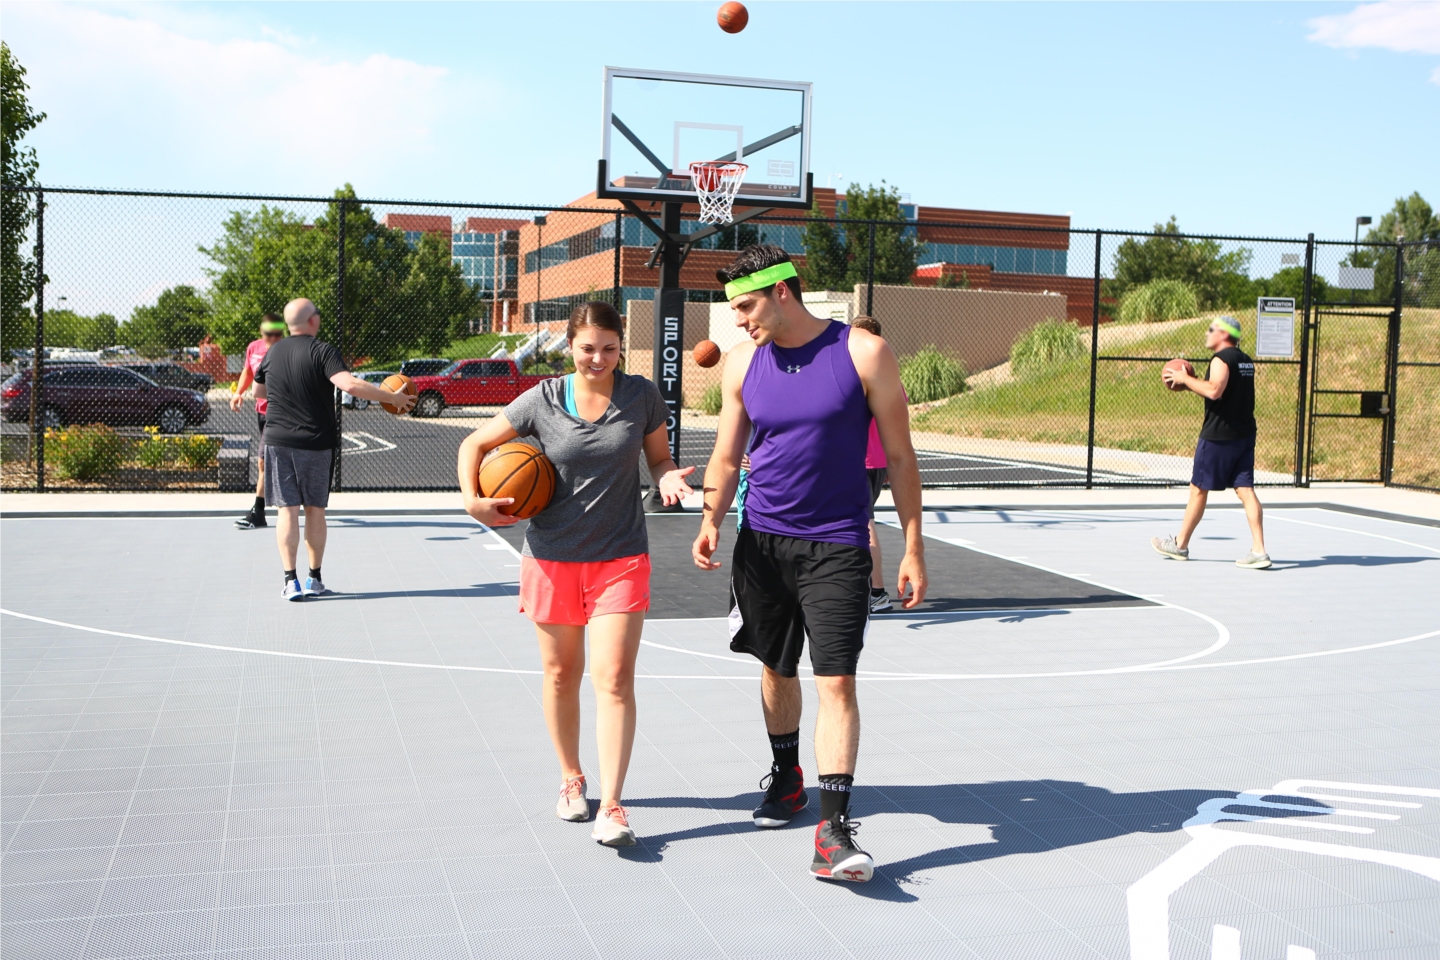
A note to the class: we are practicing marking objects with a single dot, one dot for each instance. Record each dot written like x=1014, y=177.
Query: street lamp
x=1360, y=222
x=539, y=268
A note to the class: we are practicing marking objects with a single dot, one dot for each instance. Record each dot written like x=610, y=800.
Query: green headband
x=1229, y=324
x=272, y=326
x=760, y=279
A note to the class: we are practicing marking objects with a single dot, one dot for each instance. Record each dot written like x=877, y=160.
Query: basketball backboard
x=657, y=123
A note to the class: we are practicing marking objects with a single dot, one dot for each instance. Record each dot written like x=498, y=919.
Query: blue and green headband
x=760, y=279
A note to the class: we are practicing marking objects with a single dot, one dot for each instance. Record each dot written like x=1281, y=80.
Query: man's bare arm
x=722, y=474
x=880, y=373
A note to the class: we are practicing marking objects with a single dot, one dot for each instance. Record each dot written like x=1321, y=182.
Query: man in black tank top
x=1225, y=453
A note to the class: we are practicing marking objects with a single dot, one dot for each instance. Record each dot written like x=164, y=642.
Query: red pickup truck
x=472, y=383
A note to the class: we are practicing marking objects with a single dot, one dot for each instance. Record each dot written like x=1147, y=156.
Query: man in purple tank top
x=802, y=393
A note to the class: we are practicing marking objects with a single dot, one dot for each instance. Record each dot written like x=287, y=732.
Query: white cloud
x=1404, y=27
x=165, y=101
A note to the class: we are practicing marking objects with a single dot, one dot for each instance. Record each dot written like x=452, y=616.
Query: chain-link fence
x=1031, y=351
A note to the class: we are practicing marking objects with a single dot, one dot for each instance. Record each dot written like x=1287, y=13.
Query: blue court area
x=1078, y=749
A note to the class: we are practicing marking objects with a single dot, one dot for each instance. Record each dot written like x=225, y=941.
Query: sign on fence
x=1275, y=327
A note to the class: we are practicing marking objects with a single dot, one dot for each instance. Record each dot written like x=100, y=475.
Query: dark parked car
x=426, y=367
x=110, y=395
x=172, y=375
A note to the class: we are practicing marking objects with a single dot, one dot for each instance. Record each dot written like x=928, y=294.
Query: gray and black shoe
x=1254, y=561
x=837, y=857
x=785, y=796
x=1169, y=549
x=880, y=602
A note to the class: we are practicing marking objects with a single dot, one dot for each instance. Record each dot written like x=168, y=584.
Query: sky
x=1240, y=119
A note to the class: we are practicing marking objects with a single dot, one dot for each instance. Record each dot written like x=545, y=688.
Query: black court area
x=1077, y=749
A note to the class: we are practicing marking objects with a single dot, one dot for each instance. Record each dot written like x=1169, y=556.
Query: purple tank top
x=807, y=455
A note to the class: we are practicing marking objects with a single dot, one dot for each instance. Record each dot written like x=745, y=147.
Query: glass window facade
x=488, y=261
x=1000, y=259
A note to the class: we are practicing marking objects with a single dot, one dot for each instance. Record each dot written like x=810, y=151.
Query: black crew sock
x=290, y=575
x=877, y=591
x=786, y=747
x=835, y=795
x=314, y=573
x=259, y=508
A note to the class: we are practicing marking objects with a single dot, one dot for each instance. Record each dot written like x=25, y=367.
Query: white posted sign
x=1275, y=327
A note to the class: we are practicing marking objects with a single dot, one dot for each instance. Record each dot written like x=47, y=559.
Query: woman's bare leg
x=562, y=654
x=614, y=644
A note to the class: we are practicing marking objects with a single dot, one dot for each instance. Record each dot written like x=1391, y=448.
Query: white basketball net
x=716, y=185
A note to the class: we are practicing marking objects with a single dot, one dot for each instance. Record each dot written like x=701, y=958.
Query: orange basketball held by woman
x=732, y=17
x=520, y=471
x=397, y=383
x=1176, y=364
x=706, y=353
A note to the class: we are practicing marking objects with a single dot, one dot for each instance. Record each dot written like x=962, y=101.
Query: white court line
x=1363, y=533
x=382, y=444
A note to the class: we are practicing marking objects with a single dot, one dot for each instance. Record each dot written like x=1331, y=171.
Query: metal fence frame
x=1305, y=360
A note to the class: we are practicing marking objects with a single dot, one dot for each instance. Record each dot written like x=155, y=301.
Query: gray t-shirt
x=596, y=511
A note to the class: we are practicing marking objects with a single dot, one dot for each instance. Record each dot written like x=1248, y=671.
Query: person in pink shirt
x=272, y=329
x=876, y=471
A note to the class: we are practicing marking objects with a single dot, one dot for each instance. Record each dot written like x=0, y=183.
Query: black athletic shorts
x=783, y=588
x=260, y=421
x=877, y=478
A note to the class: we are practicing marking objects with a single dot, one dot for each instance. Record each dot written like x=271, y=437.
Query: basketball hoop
x=716, y=184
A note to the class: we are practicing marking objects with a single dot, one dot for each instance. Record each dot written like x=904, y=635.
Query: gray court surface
x=1215, y=763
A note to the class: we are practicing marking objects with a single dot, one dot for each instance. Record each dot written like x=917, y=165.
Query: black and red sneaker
x=836, y=855
x=785, y=796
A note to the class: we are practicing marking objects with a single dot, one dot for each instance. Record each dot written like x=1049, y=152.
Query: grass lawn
x=1133, y=410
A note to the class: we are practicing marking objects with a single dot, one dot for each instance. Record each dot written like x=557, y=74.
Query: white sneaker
x=1254, y=561
x=572, y=804
x=612, y=828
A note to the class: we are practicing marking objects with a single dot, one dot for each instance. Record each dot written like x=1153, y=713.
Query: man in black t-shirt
x=297, y=378
x=1225, y=453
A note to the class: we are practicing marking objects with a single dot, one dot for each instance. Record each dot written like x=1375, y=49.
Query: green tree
x=66, y=328
x=438, y=297
x=837, y=257
x=1412, y=220
x=398, y=299
x=1166, y=255
x=18, y=166
x=179, y=318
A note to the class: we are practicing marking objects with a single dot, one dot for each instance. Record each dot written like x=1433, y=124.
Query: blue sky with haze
x=1271, y=119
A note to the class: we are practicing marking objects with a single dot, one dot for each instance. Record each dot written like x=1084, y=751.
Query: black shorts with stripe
x=783, y=588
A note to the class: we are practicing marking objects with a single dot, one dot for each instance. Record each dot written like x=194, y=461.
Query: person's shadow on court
x=1024, y=816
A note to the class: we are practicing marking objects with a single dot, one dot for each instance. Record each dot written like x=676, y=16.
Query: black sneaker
x=880, y=602
x=785, y=796
x=251, y=521
x=836, y=855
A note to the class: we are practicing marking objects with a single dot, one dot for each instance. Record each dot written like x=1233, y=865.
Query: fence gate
x=1351, y=426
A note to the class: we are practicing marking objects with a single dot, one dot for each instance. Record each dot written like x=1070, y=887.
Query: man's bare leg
x=315, y=535
x=287, y=534
x=1194, y=510
x=780, y=698
x=837, y=725
x=1255, y=516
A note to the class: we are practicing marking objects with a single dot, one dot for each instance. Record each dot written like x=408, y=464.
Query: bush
x=84, y=453
x=711, y=400
x=197, y=451
x=1159, y=300
x=154, y=451
x=930, y=375
x=1047, y=343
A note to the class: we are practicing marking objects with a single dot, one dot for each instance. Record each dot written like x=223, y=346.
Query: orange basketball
x=706, y=353
x=1177, y=364
x=397, y=383
x=732, y=17
x=518, y=470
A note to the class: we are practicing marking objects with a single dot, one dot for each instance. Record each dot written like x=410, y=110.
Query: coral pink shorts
x=554, y=591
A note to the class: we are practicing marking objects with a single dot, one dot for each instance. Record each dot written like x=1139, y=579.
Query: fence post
x=37, y=359
x=870, y=275
x=338, y=479
x=1392, y=373
x=619, y=237
x=1094, y=362
x=1301, y=480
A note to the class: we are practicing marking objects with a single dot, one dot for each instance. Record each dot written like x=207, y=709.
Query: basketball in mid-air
x=518, y=470
x=706, y=353
x=397, y=383
x=1176, y=364
x=732, y=17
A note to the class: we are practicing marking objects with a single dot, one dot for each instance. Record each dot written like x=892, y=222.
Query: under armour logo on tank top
x=807, y=456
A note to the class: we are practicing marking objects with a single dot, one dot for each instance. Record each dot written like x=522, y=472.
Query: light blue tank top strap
x=569, y=391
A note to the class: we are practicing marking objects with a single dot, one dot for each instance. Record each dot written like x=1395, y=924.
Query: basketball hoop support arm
x=684, y=240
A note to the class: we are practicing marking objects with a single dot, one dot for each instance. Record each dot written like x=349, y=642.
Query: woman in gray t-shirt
x=586, y=559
